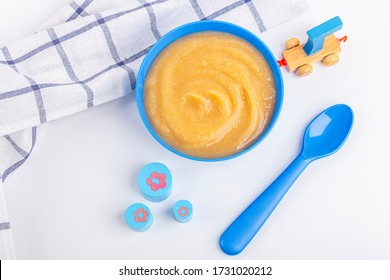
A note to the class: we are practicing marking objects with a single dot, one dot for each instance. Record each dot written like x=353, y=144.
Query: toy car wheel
x=304, y=70
x=292, y=43
x=331, y=59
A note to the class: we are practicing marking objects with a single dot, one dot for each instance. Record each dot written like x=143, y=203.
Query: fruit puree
x=209, y=94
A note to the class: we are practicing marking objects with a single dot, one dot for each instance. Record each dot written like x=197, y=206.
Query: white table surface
x=67, y=201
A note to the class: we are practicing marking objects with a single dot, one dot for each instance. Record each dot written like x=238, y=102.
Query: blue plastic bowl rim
x=204, y=26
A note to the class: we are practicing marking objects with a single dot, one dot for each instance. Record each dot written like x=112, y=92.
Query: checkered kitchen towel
x=88, y=54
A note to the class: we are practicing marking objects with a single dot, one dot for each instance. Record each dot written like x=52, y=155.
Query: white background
x=109, y=269
x=67, y=201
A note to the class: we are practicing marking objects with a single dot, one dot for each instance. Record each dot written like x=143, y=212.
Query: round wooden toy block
x=139, y=217
x=183, y=211
x=155, y=182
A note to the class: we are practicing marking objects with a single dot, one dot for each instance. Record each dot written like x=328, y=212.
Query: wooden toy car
x=322, y=45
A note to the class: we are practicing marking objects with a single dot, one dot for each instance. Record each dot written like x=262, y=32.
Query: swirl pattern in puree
x=209, y=94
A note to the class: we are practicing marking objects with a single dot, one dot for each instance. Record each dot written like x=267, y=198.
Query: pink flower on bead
x=140, y=215
x=183, y=211
x=157, y=181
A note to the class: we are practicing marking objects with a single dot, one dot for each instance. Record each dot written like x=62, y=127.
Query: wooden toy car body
x=296, y=57
x=322, y=45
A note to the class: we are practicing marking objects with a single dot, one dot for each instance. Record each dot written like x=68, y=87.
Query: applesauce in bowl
x=209, y=93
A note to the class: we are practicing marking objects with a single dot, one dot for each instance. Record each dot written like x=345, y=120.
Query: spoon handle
x=238, y=235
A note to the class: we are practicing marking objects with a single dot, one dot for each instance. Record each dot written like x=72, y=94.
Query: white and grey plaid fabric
x=88, y=54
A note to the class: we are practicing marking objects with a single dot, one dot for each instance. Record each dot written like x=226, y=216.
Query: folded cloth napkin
x=88, y=54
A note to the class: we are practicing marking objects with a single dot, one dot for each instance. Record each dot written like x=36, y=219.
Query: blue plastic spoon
x=323, y=136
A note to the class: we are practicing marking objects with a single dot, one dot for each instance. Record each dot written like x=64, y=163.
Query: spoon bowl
x=327, y=132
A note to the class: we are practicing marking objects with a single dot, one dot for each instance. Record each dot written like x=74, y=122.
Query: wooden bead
x=183, y=211
x=155, y=182
x=139, y=217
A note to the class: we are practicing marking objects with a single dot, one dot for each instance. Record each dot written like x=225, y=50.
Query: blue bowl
x=201, y=26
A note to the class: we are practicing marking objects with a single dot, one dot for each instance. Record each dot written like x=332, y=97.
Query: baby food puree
x=209, y=94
